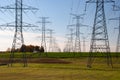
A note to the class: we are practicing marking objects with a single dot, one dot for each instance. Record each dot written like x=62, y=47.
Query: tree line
x=29, y=48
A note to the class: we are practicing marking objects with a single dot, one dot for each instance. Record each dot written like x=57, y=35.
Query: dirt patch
x=37, y=60
x=49, y=60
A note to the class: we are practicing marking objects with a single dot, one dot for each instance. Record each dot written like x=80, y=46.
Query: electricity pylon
x=77, y=47
x=56, y=47
x=84, y=43
x=118, y=39
x=43, y=41
x=18, y=40
x=99, y=41
x=117, y=8
x=66, y=48
x=69, y=44
x=51, y=45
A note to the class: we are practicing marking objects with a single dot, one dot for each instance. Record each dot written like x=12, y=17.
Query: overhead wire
x=2, y=19
x=31, y=16
x=5, y=14
x=26, y=11
x=11, y=12
x=31, y=13
x=78, y=6
x=38, y=6
x=71, y=11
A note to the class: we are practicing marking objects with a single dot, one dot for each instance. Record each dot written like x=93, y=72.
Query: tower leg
x=11, y=59
x=24, y=59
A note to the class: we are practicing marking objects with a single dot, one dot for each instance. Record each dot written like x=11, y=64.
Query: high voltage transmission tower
x=71, y=41
x=78, y=25
x=43, y=41
x=51, y=43
x=18, y=40
x=77, y=46
x=69, y=44
x=84, y=43
x=67, y=47
x=117, y=8
x=99, y=41
x=56, y=47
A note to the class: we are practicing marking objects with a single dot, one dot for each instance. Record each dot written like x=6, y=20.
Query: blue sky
x=58, y=12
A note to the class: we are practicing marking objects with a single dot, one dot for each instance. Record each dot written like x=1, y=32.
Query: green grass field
x=75, y=70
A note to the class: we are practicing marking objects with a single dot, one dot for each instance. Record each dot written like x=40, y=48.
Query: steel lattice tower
x=84, y=44
x=43, y=41
x=69, y=44
x=66, y=48
x=117, y=8
x=99, y=41
x=18, y=40
x=56, y=47
x=51, y=46
x=77, y=47
x=118, y=39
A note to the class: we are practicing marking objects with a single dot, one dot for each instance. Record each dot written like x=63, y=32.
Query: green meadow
x=68, y=67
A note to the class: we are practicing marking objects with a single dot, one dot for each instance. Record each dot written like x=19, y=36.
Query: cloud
x=5, y=40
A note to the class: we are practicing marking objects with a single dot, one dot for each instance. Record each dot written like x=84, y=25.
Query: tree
x=8, y=50
x=23, y=48
x=42, y=49
x=29, y=48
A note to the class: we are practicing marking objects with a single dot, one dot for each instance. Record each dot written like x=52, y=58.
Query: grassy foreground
x=76, y=70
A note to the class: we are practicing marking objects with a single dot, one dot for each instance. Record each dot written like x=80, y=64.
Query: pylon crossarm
x=29, y=25
x=12, y=6
x=117, y=18
x=105, y=1
x=116, y=8
x=11, y=26
x=25, y=7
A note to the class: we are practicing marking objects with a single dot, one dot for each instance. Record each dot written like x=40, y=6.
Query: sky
x=58, y=12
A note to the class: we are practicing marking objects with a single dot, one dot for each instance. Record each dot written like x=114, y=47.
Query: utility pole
x=117, y=8
x=18, y=40
x=44, y=22
x=99, y=41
